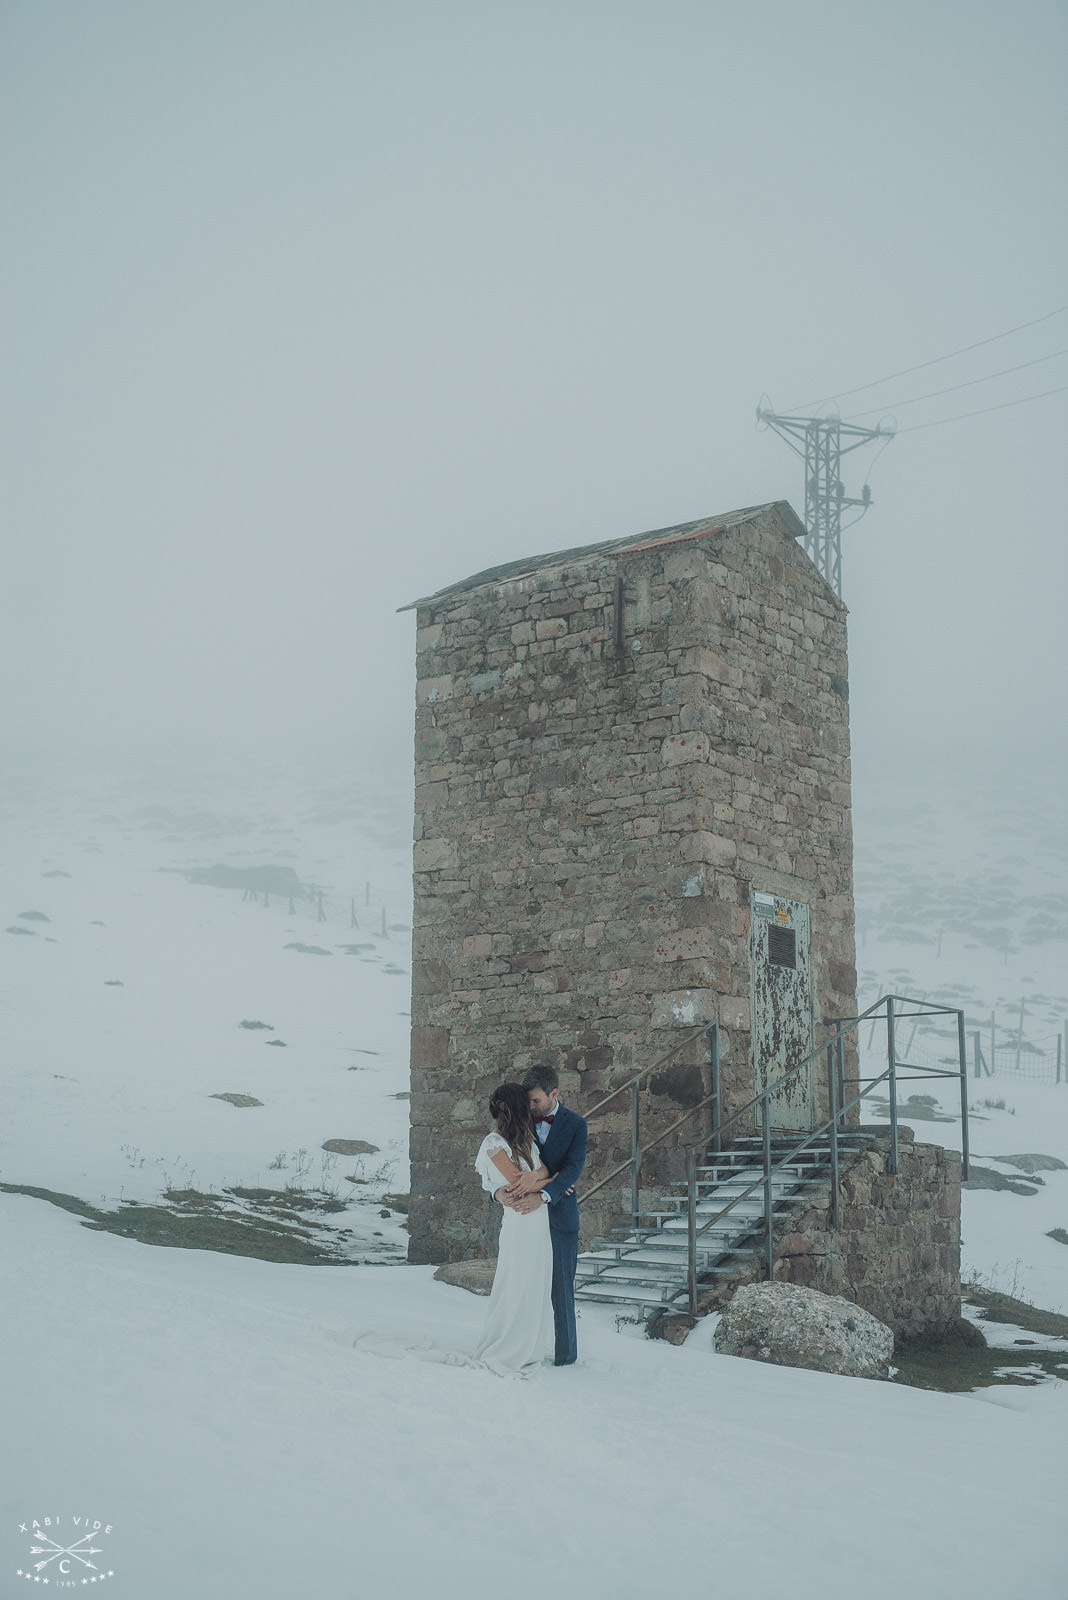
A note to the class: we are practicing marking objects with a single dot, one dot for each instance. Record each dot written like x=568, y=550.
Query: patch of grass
x=960, y=1369
x=200, y=1224
x=1004, y=1308
x=964, y=1361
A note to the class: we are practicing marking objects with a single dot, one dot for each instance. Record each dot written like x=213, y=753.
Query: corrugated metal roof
x=529, y=565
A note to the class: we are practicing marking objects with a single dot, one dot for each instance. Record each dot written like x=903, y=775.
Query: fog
x=312, y=309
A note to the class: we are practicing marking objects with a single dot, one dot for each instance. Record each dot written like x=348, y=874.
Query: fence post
x=1059, y=1043
x=892, y=1065
x=977, y=1055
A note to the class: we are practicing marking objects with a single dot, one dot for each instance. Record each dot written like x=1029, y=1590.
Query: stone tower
x=632, y=819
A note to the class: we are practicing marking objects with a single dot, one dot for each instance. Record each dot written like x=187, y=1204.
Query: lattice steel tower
x=820, y=441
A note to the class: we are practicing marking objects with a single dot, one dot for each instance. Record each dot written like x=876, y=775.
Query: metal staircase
x=726, y=1211
x=646, y=1268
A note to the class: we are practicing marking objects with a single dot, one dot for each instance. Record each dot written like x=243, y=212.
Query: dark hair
x=510, y=1108
x=541, y=1078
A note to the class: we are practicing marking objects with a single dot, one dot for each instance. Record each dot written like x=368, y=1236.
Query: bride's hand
x=526, y=1183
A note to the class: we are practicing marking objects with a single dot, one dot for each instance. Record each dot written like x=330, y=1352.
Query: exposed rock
x=238, y=1099
x=1034, y=1163
x=987, y=1178
x=27, y=931
x=1058, y=1234
x=794, y=1327
x=34, y=916
x=256, y=1023
x=673, y=1330
x=350, y=1147
x=474, y=1275
x=309, y=949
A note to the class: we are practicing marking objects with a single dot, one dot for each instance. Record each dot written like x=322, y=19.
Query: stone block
x=683, y=1008
x=436, y=855
x=682, y=748
x=430, y=691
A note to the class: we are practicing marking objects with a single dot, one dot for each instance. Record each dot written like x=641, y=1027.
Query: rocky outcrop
x=794, y=1327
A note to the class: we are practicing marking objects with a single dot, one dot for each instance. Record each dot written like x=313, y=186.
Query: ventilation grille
x=782, y=946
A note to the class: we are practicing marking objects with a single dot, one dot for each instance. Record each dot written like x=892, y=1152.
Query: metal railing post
x=962, y=1052
x=832, y=1094
x=691, y=1229
x=635, y=1156
x=712, y=1035
x=839, y=1055
x=766, y=1121
x=891, y=1061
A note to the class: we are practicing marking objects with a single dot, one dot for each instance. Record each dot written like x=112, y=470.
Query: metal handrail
x=839, y=1106
x=644, y=1073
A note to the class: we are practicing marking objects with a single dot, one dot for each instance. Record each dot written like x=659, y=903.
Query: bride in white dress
x=519, y=1320
x=518, y=1330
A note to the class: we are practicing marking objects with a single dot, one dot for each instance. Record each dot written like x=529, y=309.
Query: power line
x=896, y=405
x=843, y=394
x=984, y=410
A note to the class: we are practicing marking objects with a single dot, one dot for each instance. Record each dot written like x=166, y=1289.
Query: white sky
x=313, y=308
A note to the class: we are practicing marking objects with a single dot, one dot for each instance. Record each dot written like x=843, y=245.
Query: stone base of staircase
x=895, y=1252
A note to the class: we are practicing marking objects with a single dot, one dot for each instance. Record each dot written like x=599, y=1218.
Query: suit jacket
x=564, y=1152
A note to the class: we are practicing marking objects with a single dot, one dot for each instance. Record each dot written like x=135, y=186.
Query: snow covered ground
x=210, y=1409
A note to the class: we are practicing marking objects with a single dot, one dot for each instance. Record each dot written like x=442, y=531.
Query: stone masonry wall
x=896, y=1251
x=590, y=823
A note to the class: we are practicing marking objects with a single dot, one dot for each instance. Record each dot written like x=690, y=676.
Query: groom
x=561, y=1136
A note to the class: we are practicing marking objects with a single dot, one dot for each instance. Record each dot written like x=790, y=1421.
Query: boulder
x=475, y=1275
x=795, y=1327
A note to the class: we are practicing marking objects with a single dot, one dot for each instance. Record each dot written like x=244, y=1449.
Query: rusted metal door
x=782, y=1005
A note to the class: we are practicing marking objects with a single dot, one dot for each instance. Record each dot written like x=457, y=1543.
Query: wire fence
x=366, y=912
x=1041, y=1061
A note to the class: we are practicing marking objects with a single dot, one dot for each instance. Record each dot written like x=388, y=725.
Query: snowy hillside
x=211, y=1409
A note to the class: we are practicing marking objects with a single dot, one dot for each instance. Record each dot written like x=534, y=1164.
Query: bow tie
x=550, y=1119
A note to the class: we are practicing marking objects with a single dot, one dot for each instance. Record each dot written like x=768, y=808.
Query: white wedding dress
x=519, y=1319
x=518, y=1331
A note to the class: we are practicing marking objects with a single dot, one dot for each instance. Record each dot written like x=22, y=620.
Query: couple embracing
x=530, y=1164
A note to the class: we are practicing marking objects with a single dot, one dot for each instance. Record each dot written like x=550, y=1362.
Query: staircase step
x=625, y=1293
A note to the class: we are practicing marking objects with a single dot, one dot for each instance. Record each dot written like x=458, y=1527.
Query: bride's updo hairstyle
x=510, y=1108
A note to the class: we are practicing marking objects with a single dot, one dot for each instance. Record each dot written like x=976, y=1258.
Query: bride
x=518, y=1329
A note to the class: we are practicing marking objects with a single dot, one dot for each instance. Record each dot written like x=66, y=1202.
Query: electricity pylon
x=819, y=441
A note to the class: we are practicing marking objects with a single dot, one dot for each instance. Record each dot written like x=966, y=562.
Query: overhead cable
x=983, y=411
x=843, y=394
x=895, y=405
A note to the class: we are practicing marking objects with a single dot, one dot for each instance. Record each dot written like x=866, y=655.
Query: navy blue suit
x=564, y=1153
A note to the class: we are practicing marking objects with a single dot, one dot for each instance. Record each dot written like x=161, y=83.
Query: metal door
x=781, y=1001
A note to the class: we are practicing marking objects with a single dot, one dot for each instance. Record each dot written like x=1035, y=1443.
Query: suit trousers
x=565, y=1262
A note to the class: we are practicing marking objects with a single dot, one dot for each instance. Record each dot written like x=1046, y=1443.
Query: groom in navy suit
x=561, y=1136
